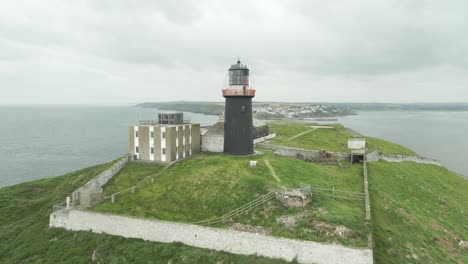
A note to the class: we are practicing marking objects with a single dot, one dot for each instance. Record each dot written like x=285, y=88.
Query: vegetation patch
x=335, y=139
x=26, y=238
x=387, y=147
x=419, y=213
x=210, y=185
x=131, y=174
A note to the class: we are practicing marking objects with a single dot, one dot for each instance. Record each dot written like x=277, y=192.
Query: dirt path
x=300, y=134
x=273, y=173
x=313, y=128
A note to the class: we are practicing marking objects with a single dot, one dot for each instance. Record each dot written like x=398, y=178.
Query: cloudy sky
x=116, y=51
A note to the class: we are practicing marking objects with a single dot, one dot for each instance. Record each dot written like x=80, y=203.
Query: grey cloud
x=126, y=46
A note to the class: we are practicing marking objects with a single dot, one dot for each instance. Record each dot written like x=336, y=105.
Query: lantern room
x=239, y=74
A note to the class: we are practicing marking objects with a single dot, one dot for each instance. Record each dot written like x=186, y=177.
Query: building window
x=152, y=150
x=136, y=149
x=164, y=151
x=152, y=134
x=136, y=133
x=177, y=149
x=163, y=134
x=243, y=108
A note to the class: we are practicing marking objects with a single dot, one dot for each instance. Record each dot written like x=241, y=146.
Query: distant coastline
x=214, y=108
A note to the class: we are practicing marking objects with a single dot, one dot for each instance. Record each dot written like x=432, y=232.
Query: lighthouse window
x=243, y=108
x=152, y=134
x=152, y=150
x=136, y=149
x=136, y=133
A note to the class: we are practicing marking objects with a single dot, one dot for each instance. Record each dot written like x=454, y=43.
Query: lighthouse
x=238, y=128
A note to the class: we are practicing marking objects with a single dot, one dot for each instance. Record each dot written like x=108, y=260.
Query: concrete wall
x=143, y=138
x=373, y=156
x=265, y=138
x=91, y=192
x=356, y=143
x=213, y=143
x=195, y=138
x=232, y=241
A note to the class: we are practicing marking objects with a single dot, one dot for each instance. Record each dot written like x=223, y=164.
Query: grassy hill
x=26, y=238
x=335, y=139
x=210, y=185
x=419, y=213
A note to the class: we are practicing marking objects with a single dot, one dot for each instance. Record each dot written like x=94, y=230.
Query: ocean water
x=39, y=141
x=437, y=135
x=44, y=141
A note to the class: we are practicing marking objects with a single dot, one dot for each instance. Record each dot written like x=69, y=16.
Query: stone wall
x=91, y=192
x=232, y=241
x=403, y=158
x=376, y=156
x=306, y=153
x=291, y=152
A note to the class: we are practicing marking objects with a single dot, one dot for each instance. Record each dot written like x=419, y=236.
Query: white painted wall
x=356, y=143
x=137, y=141
x=151, y=142
x=232, y=241
x=163, y=143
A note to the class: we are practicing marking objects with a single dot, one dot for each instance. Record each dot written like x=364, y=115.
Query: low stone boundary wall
x=403, y=158
x=376, y=156
x=306, y=153
x=91, y=192
x=232, y=241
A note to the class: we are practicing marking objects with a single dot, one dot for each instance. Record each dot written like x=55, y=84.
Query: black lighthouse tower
x=238, y=127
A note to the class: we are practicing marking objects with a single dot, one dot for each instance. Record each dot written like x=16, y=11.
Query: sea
x=438, y=135
x=45, y=141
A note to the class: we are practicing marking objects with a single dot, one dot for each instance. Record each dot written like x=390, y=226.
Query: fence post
x=133, y=189
x=333, y=192
x=113, y=198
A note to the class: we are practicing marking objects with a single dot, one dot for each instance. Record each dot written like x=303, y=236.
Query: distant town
x=298, y=111
x=305, y=110
x=261, y=110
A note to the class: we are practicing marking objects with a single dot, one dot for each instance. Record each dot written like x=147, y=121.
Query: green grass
x=327, y=139
x=387, y=147
x=26, y=238
x=417, y=212
x=130, y=175
x=210, y=185
x=319, y=139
